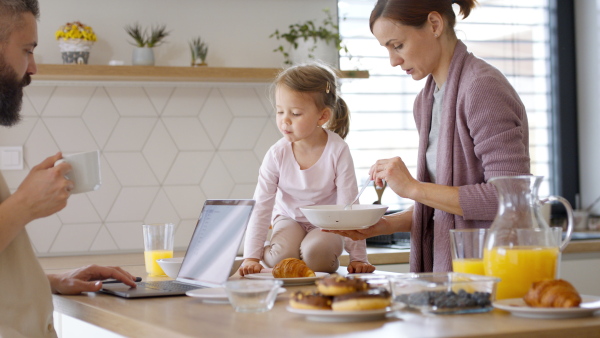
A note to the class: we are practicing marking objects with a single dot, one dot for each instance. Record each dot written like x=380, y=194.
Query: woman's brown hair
x=415, y=12
x=321, y=82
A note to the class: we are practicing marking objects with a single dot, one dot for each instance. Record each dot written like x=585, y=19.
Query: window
x=514, y=36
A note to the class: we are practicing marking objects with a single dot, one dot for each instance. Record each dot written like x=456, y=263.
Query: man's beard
x=11, y=94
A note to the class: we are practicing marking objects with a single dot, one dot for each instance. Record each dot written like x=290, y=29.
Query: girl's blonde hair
x=321, y=82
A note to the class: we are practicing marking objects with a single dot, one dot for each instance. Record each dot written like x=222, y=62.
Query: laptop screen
x=215, y=242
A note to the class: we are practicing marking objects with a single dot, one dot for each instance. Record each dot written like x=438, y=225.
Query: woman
x=472, y=126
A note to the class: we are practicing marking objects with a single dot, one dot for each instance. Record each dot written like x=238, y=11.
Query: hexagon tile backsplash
x=165, y=149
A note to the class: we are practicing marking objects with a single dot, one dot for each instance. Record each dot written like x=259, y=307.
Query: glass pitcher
x=520, y=247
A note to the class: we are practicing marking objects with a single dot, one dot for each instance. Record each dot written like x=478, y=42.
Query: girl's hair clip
x=327, y=89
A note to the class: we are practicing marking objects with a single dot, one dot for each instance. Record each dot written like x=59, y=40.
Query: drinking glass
x=158, y=243
x=467, y=250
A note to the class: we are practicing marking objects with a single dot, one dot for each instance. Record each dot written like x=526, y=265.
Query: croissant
x=292, y=268
x=552, y=293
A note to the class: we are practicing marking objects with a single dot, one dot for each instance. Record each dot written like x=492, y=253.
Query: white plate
x=517, y=307
x=288, y=281
x=343, y=316
x=215, y=295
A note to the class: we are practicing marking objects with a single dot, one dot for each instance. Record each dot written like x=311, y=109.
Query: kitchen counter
x=186, y=316
x=376, y=256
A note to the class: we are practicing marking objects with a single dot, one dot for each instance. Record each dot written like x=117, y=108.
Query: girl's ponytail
x=340, y=119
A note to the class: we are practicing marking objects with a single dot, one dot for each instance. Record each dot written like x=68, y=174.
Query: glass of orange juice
x=158, y=243
x=467, y=250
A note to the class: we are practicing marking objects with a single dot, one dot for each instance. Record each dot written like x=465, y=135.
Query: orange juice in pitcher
x=520, y=247
x=519, y=267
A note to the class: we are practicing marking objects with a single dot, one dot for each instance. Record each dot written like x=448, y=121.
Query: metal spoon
x=379, y=190
x=349, y=205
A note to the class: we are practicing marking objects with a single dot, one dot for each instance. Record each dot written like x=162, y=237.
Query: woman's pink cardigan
x=483, y=134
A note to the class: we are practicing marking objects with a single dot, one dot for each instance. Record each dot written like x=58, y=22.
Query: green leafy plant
x=328, y=31
x=155, y=37
x=199, y=49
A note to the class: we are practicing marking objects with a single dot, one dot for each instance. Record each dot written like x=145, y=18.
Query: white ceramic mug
x=85, y=174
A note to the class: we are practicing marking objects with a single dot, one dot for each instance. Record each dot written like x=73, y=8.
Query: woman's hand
x=399, y=179
x=360, y=267
x=397, y=176
x=388, y=224
x=379, y=228
x=250, y=265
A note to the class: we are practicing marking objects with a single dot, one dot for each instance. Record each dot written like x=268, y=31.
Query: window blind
x=511, y=35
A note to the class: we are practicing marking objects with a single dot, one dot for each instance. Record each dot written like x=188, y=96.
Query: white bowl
x=334, y=217
x=170, y=265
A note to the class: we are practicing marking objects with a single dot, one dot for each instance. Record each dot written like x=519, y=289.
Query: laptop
x=209, y=256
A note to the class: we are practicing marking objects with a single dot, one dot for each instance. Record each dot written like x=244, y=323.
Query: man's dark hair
x=10, y=12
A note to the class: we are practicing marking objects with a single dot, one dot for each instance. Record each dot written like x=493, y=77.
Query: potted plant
x=75, y=41
x=144, y=41
x=199, y=50
x=310, y=34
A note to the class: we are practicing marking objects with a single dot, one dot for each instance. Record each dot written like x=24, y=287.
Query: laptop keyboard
x=167, y=286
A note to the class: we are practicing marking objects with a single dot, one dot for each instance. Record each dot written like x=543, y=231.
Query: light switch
x=11, y=158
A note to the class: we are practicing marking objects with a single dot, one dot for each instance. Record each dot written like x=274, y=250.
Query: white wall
x=587, y=26
x=186, y=142
x=165, y=148
x=237, y=31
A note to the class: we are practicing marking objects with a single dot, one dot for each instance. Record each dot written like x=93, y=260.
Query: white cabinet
x=583, y=271
x=393, y=267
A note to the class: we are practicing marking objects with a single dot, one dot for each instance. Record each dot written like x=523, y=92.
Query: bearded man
x=26, y=302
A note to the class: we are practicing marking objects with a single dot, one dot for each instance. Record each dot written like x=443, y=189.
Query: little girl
x=310, y=165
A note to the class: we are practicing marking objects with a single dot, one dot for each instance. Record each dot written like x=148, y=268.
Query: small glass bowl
x=252, y=295
x=445, y=293
x=374, y=280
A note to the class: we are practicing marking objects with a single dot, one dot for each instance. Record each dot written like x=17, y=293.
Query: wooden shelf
x=160, y=73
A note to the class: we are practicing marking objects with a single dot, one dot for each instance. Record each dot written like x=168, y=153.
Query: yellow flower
x=75, y=30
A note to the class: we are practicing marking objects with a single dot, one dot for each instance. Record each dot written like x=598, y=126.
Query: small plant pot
x=199, y=64
x=80, y=58
x=75, y=51
x=142, y=56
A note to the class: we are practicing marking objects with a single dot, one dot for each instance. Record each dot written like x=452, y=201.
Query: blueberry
x=483, y=302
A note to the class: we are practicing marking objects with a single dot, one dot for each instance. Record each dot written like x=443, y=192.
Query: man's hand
x=42, y=193
x=45, y=190
x=87, y=279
